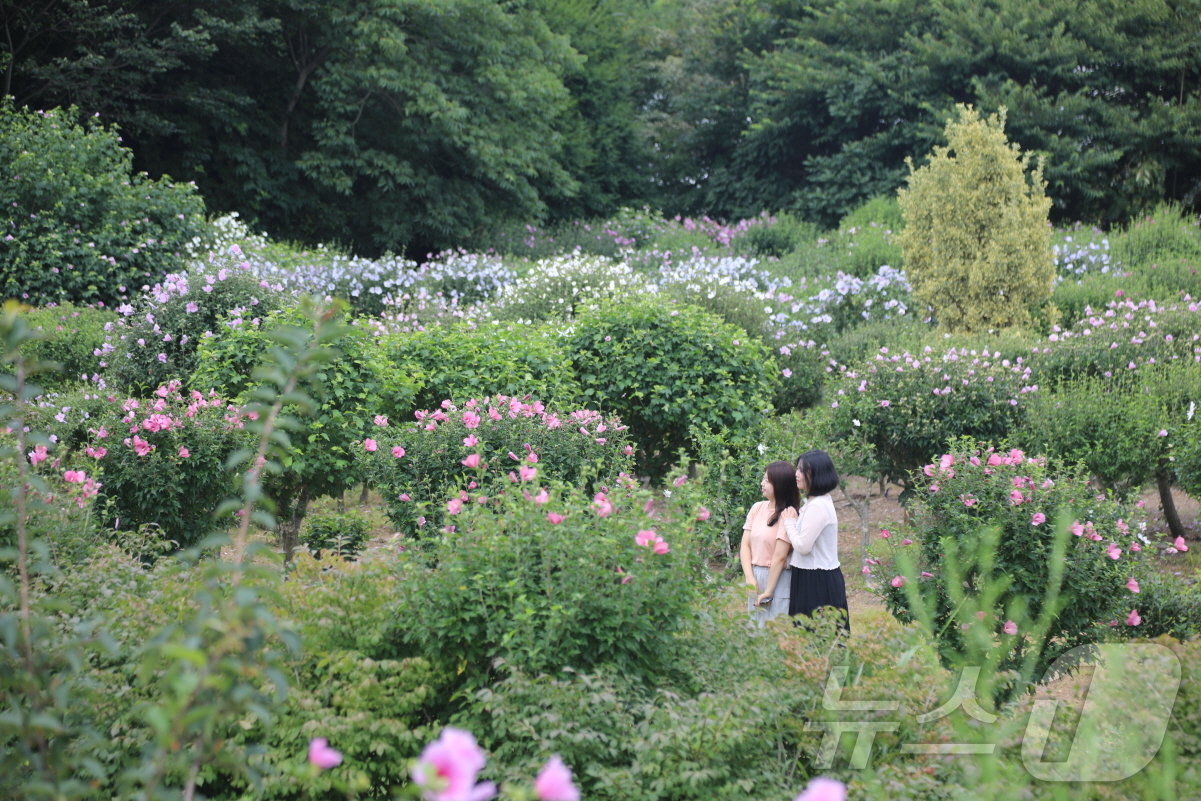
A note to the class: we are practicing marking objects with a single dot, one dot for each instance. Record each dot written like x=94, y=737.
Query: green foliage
x=1167, y=232
x=905, y=407
x=782, y=234
x=1075, y=300
x=976, y=240
x=995, y=524
x=1169, y=280
x=68, y=337
x=78, y=224
x=341, y=533
x=418, y=466
x=859, y=343
x=1167, y=605
x=663, y=368
x=458, y=362
x=507, y=582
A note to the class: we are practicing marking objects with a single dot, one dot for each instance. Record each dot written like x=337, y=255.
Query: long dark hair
x=782, y=476
x=819, y=472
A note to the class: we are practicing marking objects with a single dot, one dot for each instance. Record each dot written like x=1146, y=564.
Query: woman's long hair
x=782, y=476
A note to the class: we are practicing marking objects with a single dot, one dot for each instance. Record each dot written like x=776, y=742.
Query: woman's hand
x=764, y=597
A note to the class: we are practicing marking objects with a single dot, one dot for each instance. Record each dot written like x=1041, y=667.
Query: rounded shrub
x=482, y=447
x=663, y=368
x=156, y=340
x=977, y=241
x=70, y=336
x=561, y=287
x=460, y=362
x=982, y=513
x=78, y=224
x=340, y=533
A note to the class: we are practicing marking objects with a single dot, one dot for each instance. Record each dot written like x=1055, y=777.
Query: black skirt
x=815, y=588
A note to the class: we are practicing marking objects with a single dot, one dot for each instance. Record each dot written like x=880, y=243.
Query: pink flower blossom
x=628, y=450
x=184, y=453
x=397, y=451
x=602, y=505
x=1135, y=547
x=1037, y=519
x=1016, y=497
x=554, y=782
x=702, y=514
x=1179, y=544
x=926, y=574
x=38, y=454
x=867, y=571
x=531, y=457
x=321, y=755
x=514, y=456
x=906, y=541
x=823, y=789
x=660, y=547
x=405, y=497
x=1010, y=627
x=968, y=500
x=995, y=459
x=1113, y=551
x=381, y=420
x=1077, y=529
x=448, y=767
x=1132, y=584
x=140, y=446
x=885, y=404
x=454, y=506
x=897, y=581
x=472, y=460
x=528, y=473
x=885, y=533
x=75, y=476
x=1133, y=618
x=471, y=420
x=1163, y=432
x=679, y=481
x=935, y=488
x=542, y=496
x=470, y=441
x=946, y=461
x=554, y=518
x=370, y=445
x=645, y=537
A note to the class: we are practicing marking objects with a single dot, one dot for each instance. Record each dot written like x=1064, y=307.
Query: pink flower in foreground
x=1010, y=627
x=140, y=446
x=1133, y=619
x=38, y=454
x=702, y=514
x=628, y=450
x=885, y=404
x=602, y=505
x=1016, y=497
x=75, y=476
x=947, y=460
x=968, y=500
x=528, y=473
x=1077, y=528
x=823, y=789
x=645, y=537
x=542, y=497
x=554, y=782
x=405, y=497
x=660, y=547
x=184, y=453
x=1132, y=585
x=1163, y=432
x=1179, y=544
x=885, y=533
x=897, y=581
x=370, y=445
x=321, y=755
x=471, y=420
x=470, y=441
x=381, y=420
x=1113, y=551
x=448, y=767
x=554, y=518
x=454, y=506
x=1037, y=519
x=397, y=451
x=679, y=481
x=472, y=460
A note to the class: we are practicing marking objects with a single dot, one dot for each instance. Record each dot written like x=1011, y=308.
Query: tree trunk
x=1163, y=478
x=289, y=529
x=363, y=495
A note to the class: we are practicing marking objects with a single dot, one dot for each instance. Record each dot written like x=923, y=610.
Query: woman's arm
x=779, y=561
x=803, y=533
x=744, y=551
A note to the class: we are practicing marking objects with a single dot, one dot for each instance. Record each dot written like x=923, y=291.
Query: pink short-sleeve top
x=762, y=536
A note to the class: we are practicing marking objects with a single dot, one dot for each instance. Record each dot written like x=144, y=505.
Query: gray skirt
x=780, y=600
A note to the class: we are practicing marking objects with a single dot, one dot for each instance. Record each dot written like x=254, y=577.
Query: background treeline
x=420, y=124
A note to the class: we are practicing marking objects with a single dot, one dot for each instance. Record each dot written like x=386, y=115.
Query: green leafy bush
x=1076, y=299
x=981, y=514
x=976, y=241
x=71, y=337
x=1168, y=232
x=157, y=341
x=859, y=343
x=417, y=466
x=458, y=362
x=551, y=580
x=170, y=469
x=340, y=533
x=776, y=237
x=78, y=224
x=905, y=407
x=663, y=368
x=1169, y=280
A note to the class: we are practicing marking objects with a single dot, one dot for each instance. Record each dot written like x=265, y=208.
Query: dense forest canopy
x=420, y=124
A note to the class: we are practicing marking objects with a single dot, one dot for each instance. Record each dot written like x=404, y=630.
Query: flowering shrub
x=664, y=368
x=561, y=287
x=162, y=461
x=474, y=450
x=1078, y=255
x=1168, y=231
x=971, y=489
x=77, y=223
x=156, y=341
x=906, y=407
x=70, y=337
x=457, y=362
x=553, y=577
x=1125, y=335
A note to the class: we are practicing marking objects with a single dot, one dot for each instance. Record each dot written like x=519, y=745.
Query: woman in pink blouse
x=765, y=544
x=816, y=573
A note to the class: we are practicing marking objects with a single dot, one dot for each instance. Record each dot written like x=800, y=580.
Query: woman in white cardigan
x=817, y=578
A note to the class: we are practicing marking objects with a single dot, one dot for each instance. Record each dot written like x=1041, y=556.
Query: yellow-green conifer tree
x=977, y=240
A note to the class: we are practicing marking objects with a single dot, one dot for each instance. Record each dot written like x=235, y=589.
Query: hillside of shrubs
x=284, y=523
